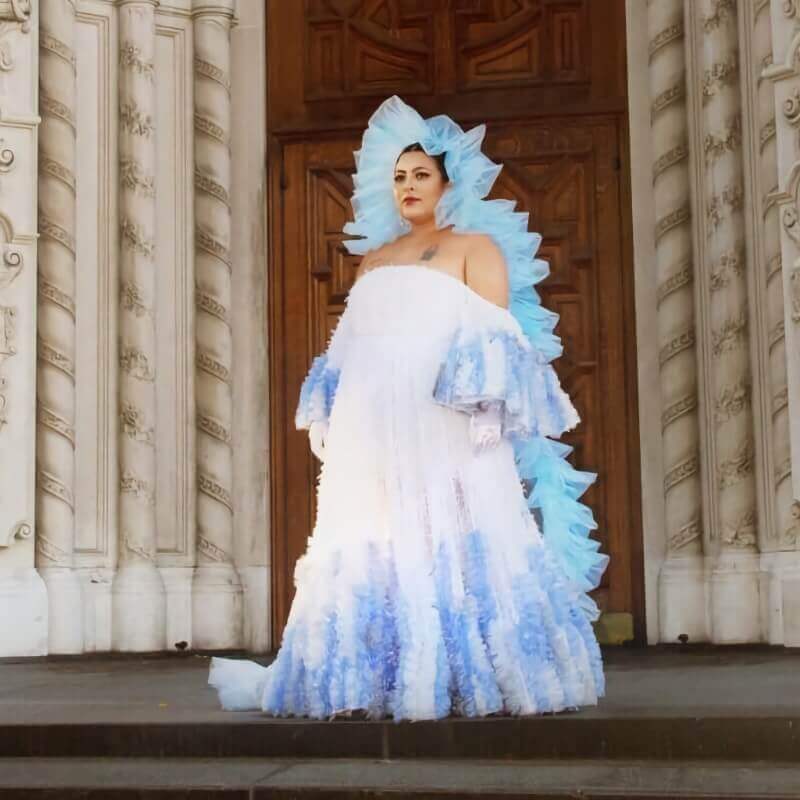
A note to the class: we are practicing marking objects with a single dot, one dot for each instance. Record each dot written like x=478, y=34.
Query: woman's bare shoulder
x=467, y=241
x=372, y=258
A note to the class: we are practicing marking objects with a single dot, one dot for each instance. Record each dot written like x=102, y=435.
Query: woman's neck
x=423, y=230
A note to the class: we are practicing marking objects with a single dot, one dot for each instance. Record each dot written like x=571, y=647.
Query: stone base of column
x=257, y=609
x=178, y=586
x=96, y=583
x=790, y=599
x=216, y=608
x=65, y=604
x=138, y=615
x=735, y=607
x=23, y=613
x=682, y=601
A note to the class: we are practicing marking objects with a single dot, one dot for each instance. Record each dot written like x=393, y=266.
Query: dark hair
x=439, y=159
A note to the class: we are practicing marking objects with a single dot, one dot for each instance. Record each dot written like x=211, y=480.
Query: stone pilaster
x=770, y=401
x=23, y=595
x=217, y=592
x=138, y=590
x=723, y=293
x=681, y=581
x=55, y=445
x=784, y=75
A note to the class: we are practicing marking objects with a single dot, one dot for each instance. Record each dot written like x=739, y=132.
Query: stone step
x=348, y=779
x=568, y=736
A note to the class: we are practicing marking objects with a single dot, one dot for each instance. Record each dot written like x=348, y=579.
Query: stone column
x=251, y=424
x=55, y=443
x=681, y=582
x=217, y=591
x=734, y=606
x=784, y=76
x=770, y=402
x=138, y=591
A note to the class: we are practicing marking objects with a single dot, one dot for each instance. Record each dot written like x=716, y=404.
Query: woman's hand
x=486, y=427
x=317, y=433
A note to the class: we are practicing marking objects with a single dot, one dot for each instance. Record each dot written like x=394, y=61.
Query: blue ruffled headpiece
x=553, y=485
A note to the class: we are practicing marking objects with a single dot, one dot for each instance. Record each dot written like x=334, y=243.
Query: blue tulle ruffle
x=317, y=393
x=484, y=366
x=547, y=660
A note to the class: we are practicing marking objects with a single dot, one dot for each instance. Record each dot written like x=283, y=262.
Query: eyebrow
x=416, y=169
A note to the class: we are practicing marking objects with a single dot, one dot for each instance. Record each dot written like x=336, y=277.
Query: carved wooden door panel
x=555, y=111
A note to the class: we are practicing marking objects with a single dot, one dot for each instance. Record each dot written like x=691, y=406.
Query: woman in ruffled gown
x=428, y=587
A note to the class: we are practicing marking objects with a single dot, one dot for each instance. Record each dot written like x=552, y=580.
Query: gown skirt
x=426, y=588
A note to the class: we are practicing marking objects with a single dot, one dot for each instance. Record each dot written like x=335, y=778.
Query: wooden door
x=548, y=79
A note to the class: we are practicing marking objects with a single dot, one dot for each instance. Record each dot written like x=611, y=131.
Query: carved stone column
x=55, y=450
x=784, y=74
x=734, y=607
x=217, y=592
x=138, y=590
x=779, y=530
x=681, y=582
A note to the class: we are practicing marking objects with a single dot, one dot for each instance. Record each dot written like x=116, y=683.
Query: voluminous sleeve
x=319, y=387
x=491, y=361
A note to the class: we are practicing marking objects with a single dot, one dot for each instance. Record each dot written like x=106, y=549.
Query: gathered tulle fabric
x=494, y=362
x=427, y=587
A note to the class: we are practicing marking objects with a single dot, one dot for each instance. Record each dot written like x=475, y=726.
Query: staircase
x=104, y=733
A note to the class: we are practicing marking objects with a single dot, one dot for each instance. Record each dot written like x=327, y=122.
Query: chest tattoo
x=429, y=253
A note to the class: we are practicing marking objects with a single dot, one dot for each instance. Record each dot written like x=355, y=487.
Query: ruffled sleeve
x=490, y=360
x=318, y=391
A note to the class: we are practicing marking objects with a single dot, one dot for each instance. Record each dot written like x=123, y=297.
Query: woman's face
x=418, y=185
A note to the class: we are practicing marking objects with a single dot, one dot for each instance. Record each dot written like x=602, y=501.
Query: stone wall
x=133, y=354
x=721, y=155
x=148, y=511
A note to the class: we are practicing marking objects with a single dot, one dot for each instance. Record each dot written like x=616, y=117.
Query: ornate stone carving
x=136, y=238
x=18, y=11
x=10, y=267
x=742, y=533
x=130, y=57
x=206, y=242
x=132, y=175
x=729, y=267
x=14, y=16
x=731, y=334
x=718, y=76
x=720, y=11
x=692, y=531
x=22, y=530
x=8, y=348
x=733, y=400
x=135, y=120
x=133, y=423
x=682, y=278
x=673, y=412
x=716, y=144
x=212, y=552
x=136, y=363
x=132, y=299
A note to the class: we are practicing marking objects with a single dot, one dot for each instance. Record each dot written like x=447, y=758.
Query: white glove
x=317, y=433
x=486, y=427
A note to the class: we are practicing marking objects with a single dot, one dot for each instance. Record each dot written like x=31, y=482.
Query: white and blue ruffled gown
x=427, y=588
